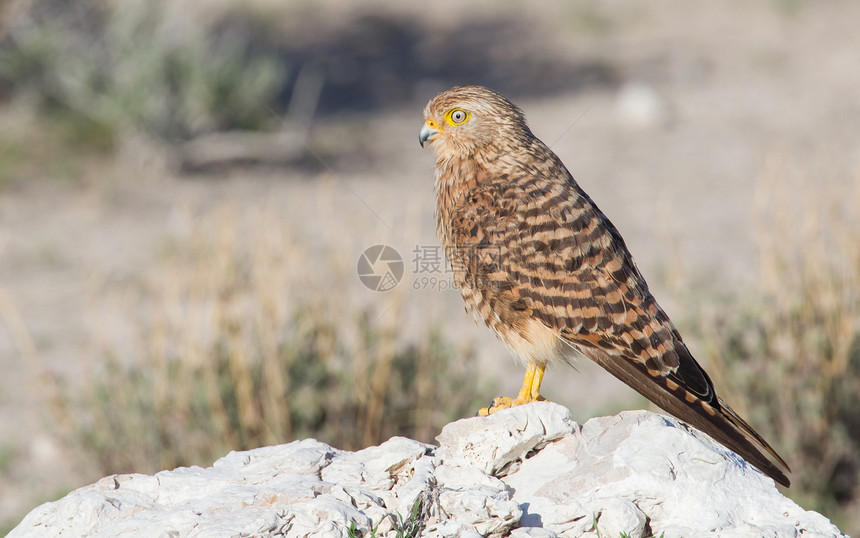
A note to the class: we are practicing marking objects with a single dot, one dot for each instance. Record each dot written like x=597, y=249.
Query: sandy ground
x=671, y=152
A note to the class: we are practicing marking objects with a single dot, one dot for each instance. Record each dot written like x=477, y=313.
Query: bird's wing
x=544, y=250
x=548, y=251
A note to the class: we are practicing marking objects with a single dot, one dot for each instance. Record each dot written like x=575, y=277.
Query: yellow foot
x=504, y=402
x=528, y=394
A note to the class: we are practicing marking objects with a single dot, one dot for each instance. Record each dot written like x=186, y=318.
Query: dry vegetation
x=790, y=354
x=224, y=351
x=227, y=353
x=142, y=67
x=234, y=341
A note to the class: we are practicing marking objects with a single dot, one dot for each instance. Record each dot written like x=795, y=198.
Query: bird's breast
x=479, y=233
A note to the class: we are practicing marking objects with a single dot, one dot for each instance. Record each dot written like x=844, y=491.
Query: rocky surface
x=528, y=471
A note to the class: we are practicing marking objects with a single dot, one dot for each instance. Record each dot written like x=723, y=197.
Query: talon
x=487, y=411
x=530, y=392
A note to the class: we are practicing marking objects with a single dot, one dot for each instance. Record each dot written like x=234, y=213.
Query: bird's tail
x=741, y=425
x=712, y=417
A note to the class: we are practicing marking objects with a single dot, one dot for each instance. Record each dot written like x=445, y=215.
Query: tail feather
x=748, y=430
x=713, y=417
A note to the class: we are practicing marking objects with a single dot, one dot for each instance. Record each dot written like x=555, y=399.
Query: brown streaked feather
x=534, y=257
x=563, y=258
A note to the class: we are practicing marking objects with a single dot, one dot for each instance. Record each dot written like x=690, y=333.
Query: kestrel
x=539, y=263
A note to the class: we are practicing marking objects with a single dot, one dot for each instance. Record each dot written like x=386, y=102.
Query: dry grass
x=234, y=342
x=789, y=356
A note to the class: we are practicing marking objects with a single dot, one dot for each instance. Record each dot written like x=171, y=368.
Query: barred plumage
x=539, y=263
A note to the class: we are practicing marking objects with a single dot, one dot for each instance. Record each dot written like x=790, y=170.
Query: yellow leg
x=530, y=392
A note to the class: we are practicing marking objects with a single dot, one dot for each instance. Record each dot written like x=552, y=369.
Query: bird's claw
x=502, y=402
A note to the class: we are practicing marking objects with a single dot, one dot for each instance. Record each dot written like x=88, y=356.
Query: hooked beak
x=426, y=133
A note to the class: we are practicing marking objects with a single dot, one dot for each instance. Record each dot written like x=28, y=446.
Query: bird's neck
x=455, y=178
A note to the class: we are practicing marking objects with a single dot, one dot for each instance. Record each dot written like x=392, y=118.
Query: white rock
x=532, y=532
x=619, y=517
x=488, y=510
x=421, y=485
x=494, y=443
x=524, y=472
x=450, y=528
x=377, y=467
x=681, y=480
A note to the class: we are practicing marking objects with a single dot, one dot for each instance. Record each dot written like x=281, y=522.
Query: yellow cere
x=450, y=120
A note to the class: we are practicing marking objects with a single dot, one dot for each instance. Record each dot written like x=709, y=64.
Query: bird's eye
x=457, y=116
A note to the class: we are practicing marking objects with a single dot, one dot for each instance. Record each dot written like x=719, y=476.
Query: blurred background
x=186, y=189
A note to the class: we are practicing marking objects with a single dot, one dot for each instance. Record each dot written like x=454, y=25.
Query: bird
x=537, y=261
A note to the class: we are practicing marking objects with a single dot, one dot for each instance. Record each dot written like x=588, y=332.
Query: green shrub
x=129, y=65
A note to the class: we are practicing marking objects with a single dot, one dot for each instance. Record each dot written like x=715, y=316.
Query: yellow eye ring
x=457, y=116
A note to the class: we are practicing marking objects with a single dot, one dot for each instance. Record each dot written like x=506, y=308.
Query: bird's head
x=465, y=119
